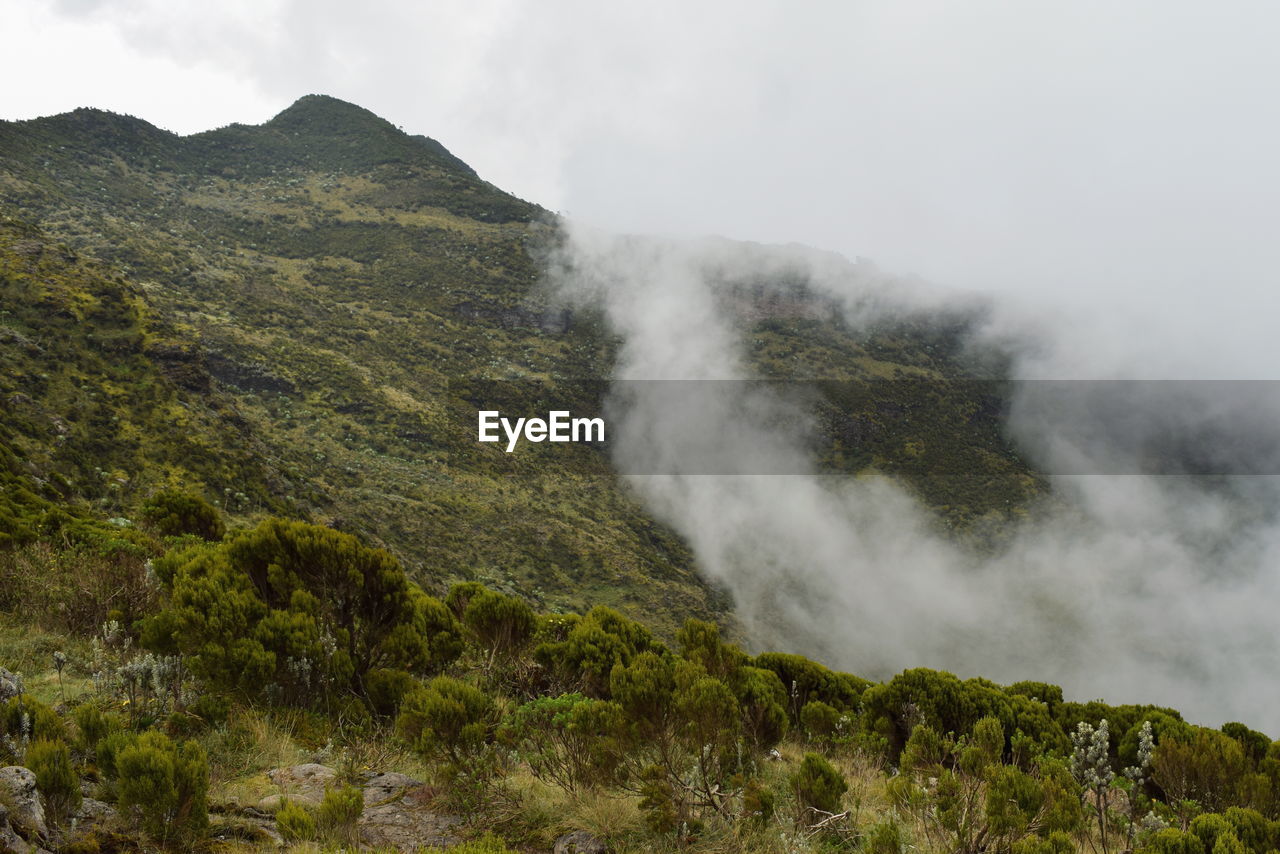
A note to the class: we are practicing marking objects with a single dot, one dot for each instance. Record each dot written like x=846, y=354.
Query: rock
x=384, y=787
x=26, y=813
x=303, y=782
x=407, y=823
x=94, y=811
x=579, y=842
x=10, y=685
x=10, y=841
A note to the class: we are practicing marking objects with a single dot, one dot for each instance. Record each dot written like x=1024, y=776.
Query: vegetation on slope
x=532, y=725
x=300, y=311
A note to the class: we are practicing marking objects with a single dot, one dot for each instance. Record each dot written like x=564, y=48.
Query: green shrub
x=56, y=778
x=173, y=514
x=92, y=726
x=570, y=741
x=339, y=812
x=447, y=719
x=818, y=785
x=884, y=837
x=288, y=612
x=168, y=782
x=1170, y=840
x=819, y=720
x=295, y=823
x=386, y=688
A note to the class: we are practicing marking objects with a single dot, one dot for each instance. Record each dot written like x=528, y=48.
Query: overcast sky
x=1123, y=152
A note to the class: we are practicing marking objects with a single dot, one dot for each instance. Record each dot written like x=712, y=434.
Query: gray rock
x=10, y=841
x=10, y=685
x=384, y=787
x=303, y=782
x=94, y=812
x=26, y=813
x=579, y=842
x=407, y=823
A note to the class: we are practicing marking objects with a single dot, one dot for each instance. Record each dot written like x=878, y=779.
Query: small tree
x=449, y=720
x=56, y=779
x=1091, y=766
x=818, y=785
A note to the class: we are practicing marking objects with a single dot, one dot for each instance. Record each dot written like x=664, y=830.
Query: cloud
x=1130, y=587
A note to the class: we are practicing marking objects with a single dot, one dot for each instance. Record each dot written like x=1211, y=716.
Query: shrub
x=295, y=823
x=500, y=624
x=818, y=785
x=448, y=719
x=173, y=514
x=290, y=611
x=168, y=783
x=1170, y=840
x=883, y=838
x=593, y=646
x=92, y=727
x=57, y=781
x=339, y=812
x=819, y=720
x=569, y=741
x=764, y=706
x=387, y=688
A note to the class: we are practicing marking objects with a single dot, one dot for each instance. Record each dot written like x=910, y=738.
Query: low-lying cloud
x=1132, y=588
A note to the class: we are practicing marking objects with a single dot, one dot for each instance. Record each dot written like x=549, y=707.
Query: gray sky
x=1073, y=152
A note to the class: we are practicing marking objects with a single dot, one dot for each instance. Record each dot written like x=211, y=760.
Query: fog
x=1128, y=587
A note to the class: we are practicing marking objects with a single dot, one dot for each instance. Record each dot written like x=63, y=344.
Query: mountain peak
x=332, y=115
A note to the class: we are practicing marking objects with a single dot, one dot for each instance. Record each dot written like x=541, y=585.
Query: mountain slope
x=326, y=287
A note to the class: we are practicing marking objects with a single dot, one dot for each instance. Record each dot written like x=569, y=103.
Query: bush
x=818, y=785
x=1170, y=840
x=387, y=689
x=569, y=741
x=448, y=719
x=819, y=720
x=92, y=727
x=295, y=823
x=288, y=611
x=168, y=783
x=173, y=514
x=883, y=838
x=50, y=761
x=339, y=812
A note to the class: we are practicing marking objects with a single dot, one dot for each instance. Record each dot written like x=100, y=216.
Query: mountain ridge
x=338, y=280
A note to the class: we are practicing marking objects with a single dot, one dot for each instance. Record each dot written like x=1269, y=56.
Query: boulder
x=579, y=842
x=406, y=822
x=10, y=685
x=305, y=783
x=94, y=812
x=26, y=812
x=384, y=787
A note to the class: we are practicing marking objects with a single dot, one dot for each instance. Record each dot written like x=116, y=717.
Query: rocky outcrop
x=26, y=813
x=10, y=685
x=397, y=809
x=304, y=783
x=579, y=842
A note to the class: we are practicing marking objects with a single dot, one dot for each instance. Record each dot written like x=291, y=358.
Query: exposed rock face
x=579, y=842
x=397, y=812
x=10, y=685
x=26, y=813
x=383, y=787
x=304, y=783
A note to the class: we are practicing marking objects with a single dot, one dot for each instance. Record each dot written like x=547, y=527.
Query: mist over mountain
x=310, y=300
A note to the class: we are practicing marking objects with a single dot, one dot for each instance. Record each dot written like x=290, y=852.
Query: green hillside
x=285, y=318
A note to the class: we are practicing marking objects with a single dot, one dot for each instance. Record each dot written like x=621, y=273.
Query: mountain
x=290, y=318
